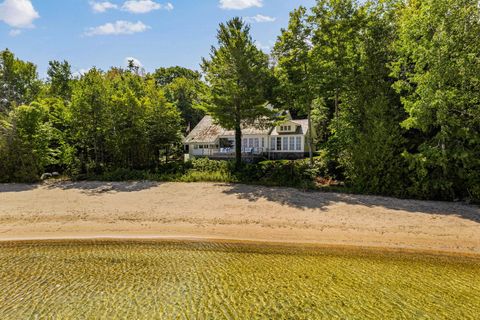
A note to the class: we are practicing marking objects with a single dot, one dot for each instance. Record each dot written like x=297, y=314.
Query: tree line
x=88, y=124
x=391, y=89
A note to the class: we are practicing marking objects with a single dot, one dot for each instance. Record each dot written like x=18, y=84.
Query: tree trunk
x=238, y=146
x=310, y=135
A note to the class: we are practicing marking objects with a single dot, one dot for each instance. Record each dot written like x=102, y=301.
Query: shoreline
x=333, y=247
x=70, y=211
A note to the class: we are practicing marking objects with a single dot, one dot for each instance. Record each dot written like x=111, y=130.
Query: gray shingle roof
x=207, y=131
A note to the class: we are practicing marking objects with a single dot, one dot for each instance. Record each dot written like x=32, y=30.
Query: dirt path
x=233, y=212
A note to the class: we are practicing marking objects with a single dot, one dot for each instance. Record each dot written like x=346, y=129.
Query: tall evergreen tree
x=240, y=79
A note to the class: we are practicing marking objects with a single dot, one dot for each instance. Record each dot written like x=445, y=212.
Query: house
x=288, y=140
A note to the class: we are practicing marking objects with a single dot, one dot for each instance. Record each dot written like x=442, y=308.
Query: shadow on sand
x=321, y=200
x=98, y=187
x=17, y=187
x=87, y=187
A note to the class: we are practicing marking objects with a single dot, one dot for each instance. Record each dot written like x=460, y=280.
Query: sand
x=214, y=211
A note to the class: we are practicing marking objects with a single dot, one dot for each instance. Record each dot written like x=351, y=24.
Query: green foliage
x=293, y=51
x=165, y=76
x=60, y=79
x=239, y=76
x=391, y=88
x=437, y=70
x=19, y=83
x=187, y=95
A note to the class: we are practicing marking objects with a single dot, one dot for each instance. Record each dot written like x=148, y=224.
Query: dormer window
x=286, y=128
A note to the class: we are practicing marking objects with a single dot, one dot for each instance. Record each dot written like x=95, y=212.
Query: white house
x=288, y=140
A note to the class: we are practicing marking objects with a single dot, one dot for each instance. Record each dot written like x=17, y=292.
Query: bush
x=207, y=165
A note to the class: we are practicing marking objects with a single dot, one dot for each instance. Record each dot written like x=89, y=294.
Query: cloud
x=18, y=13
x=15, y=32
x=145, y=6
x=135, y=61
x=117, y=28
x=79, y=73
x=264, y=47
x=98, y=7
x=240, y=4
x=260, y=18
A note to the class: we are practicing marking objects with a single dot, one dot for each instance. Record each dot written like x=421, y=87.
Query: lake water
x=182, y=280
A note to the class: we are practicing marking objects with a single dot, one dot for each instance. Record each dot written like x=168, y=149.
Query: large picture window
x=279, y=143
x=273, y=143
x=299, y=143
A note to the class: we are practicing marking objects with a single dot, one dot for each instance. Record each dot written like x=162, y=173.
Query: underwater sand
x=189, y=280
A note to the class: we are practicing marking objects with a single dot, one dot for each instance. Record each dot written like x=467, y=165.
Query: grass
x=178, y=280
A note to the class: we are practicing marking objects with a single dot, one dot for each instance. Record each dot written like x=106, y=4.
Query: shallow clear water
x=178, y=280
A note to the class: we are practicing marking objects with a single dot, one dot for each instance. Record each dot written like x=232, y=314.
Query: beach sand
x=215, y=211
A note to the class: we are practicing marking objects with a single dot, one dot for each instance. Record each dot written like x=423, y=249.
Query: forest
x=391, y=88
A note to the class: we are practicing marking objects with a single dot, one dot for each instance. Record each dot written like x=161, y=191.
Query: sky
x=155, y=33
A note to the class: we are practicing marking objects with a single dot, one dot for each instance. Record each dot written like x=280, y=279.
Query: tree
x=90, y=119
x=163, y=121
x=19, y=83
x=335, y=24
x=437, y=70
x=187, y=95
x=293, y=51
x=60, y=78
x=239, y=76
x=165, y=76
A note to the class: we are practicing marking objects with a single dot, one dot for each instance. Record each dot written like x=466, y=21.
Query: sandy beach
x=208, y=211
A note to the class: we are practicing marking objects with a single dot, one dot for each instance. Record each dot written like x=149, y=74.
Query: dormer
x=287, y=127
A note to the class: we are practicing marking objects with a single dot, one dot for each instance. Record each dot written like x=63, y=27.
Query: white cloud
x=240, y=4
x=98, y=7
x=79, y=73
x=15, y=32
x=145, y=6
x=136, y=62
x=117, y=28
x=260, y=18
x=265, y=47
x=18, y=13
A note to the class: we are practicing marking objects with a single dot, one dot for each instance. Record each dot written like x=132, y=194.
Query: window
x=263, y=142
x=292, y=143
x=245, y=142
x=299, y=143
x=195, y=147
x=285, y=143
x=289, y=128
x=257, y=143
x=279, y=143
x=273, y=143
x=250, y=143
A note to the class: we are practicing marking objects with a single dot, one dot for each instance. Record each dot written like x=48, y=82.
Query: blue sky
x=104, y=33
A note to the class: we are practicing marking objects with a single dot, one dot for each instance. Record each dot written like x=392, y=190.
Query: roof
x=207, y=131
x=302, y=128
